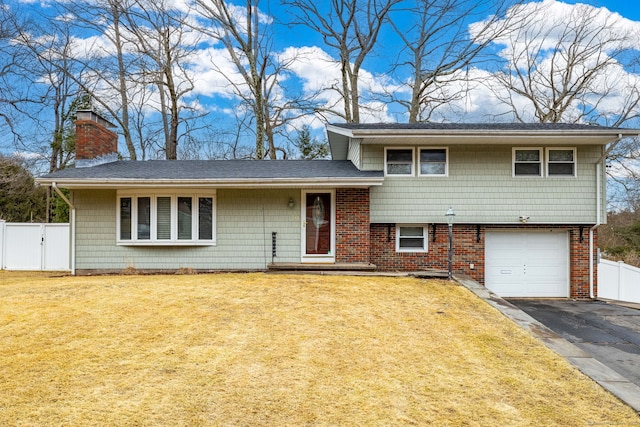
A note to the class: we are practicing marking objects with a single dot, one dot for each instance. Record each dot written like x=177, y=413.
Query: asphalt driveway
x=609, y=333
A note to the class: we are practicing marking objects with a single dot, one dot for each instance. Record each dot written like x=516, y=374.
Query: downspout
x=592, y=229
x=72, y=219
x=598, y=215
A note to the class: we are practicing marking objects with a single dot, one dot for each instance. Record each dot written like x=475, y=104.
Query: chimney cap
x=94, y=117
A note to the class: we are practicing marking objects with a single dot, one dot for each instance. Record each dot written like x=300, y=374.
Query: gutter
x=72, y=219
x=320, y=182
x=413, y=132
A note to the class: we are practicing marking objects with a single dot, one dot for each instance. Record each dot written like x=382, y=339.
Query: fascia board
x=244, y=184
x=370, y=136
x=340, y=130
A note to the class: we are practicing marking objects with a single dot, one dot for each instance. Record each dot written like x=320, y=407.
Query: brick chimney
x=95, y=143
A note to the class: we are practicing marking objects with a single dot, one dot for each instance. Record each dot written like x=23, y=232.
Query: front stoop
x=340, y=266
x=430, y=273
x=353, y=268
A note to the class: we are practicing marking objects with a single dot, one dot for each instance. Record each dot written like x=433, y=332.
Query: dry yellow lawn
x=276, y=350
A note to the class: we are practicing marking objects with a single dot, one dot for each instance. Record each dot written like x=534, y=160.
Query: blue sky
x=627, y=8
x=320, y=69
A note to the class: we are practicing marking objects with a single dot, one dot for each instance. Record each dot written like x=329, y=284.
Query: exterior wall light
x=291, y=203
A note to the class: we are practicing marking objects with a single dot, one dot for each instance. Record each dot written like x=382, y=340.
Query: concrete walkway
x=612, y=381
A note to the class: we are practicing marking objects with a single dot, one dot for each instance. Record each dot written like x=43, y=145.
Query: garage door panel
x=527, y=264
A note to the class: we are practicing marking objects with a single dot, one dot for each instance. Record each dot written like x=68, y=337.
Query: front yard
x=257, y=349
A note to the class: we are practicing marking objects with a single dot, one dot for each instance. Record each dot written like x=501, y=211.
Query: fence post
x=2, y=226
x=620, y=278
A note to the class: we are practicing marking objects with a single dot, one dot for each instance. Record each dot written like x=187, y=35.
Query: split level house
x=528, y=200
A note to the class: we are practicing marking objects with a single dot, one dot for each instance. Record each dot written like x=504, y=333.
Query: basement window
x=411, y=238
x=166, y=218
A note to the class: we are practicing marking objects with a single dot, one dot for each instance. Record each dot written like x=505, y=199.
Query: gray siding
x=244, y=222
x=354, y=153
x=481, y=189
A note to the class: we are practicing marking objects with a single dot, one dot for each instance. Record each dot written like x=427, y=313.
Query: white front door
x=318, y=226
x=527, y=264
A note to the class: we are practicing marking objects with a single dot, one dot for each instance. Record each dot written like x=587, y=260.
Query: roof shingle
x=215, y=170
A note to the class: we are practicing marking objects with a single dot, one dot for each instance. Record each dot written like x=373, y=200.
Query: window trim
x=425, y=237
x=413, y=156
x=153, y=240
x=446, y=162
x=575, y=162
x=541, y=162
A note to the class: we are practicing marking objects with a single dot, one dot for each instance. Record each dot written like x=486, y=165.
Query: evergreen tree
x=20, y=199
x=311, y=148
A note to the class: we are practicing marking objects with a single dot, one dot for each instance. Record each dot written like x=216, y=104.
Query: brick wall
x=93, y=140
x=468, y=249
x=352, y=225
x=579, y=262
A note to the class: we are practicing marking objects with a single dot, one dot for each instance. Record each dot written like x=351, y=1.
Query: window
x=558, y=162
x=411, y=238
x=162, y=218
x=144, y=218
x=561, y=162
x=125, y=218
x=433, y=161
x=527, y=162
x=399, y=161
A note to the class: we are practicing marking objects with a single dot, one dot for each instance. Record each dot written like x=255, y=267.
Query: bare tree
x=50, y=48
x=60, y=97
x=16, y=74
x=240, y=31
x=565, y=71
x=351, y=28
x=139, y=62
x=246, y=34
x=166, y=45
x=8, y=30
x=109, y=64
x=438, y=47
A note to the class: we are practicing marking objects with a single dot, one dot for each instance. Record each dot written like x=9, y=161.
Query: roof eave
x=493, y=133
x=315, y=182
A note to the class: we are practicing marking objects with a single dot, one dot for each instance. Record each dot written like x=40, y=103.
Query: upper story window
x=166, y=219
x=411, y=238
x=398, y=161
x=561, y=162
x=557, y=162
x=433, y=162
x=527, y=162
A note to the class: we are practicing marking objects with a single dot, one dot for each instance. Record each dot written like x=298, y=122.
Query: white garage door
x=527, y=264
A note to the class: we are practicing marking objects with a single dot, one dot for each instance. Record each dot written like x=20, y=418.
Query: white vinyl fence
x=25, y=246
x=618, y=281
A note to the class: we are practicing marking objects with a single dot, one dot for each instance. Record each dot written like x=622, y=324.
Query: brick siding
x=468, y=244
x=352, y=225
x=94, y=140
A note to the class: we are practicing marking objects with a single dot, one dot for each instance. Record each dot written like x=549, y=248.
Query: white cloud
x=539, y=49
x=544, y=25
x=320, y=75
x=315, y=72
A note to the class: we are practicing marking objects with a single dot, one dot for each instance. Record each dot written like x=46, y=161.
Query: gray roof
x=549, y=134
x=214, y=171
x=474, y=126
